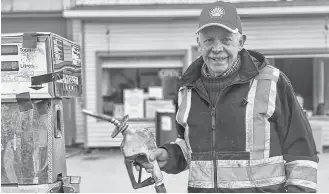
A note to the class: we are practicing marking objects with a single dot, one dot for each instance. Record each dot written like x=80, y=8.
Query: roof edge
x=168, y=13
x=30, y=14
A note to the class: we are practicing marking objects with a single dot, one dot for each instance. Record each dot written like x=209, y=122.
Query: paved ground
x=103, y=171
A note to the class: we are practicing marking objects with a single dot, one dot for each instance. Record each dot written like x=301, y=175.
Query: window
x=148, y=83
x=309, y=78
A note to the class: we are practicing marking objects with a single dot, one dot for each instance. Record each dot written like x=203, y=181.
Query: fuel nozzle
x=136, y=142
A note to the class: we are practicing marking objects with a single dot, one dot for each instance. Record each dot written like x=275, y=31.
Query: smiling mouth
x=218, y=59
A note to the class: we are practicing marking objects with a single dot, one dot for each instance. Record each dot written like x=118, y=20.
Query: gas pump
x=38, y=70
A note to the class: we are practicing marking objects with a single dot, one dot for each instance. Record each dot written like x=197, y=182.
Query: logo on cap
x=217, y=12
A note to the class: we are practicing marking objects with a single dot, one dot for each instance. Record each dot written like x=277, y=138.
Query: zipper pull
x=244, y=102
x=213, y=111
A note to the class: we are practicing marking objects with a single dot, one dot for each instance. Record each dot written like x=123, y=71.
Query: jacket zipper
x=213, y=127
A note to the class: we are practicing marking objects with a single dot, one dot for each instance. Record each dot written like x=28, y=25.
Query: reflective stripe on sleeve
x=302, y=173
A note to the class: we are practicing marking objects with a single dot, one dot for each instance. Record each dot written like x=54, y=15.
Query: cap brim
x=220, y=25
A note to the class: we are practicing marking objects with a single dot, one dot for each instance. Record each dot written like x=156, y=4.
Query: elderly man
x=240, y=126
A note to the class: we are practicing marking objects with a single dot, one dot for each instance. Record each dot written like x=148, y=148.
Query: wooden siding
x=31, y=5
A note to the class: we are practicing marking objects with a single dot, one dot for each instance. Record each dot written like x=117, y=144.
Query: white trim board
x=146, y=13
x=299, y=56
x=146, y=63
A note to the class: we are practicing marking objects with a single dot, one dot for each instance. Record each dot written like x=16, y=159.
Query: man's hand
x=160, y=154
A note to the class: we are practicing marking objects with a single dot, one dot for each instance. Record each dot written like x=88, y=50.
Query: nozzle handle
x=145, y=183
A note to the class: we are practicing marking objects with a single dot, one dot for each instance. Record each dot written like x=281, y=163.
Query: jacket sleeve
x=177, y=162
x=297, y=143
x=177, y=151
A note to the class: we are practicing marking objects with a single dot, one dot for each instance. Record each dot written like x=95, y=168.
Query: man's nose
x=217, y=47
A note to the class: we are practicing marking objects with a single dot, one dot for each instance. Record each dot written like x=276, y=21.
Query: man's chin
x=219, y=68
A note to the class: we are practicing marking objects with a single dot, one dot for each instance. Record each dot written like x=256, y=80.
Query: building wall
x=126, y=37
x=264, y=33
x=30, y=5
x=55, y=25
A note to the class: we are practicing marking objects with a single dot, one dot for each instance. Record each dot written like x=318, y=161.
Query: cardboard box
x=118, y=111
x=151, y=106
x=134, y=103
x=155, y=92
x=44, y=64
x=32, y=142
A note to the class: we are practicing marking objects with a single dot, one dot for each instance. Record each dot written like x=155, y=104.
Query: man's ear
x=242, y=40
x=199, y=45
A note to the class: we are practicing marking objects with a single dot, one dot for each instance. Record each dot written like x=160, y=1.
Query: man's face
x=219, y=48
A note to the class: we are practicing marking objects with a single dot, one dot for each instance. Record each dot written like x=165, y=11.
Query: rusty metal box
x=44, y=64
x=32, y=142
x=70, y=184
x=55, y=187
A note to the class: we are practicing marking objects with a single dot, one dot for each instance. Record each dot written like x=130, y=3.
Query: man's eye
x=226, y=40
x=208, y=40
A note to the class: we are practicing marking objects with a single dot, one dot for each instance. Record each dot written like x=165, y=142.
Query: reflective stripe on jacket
x=241, y=146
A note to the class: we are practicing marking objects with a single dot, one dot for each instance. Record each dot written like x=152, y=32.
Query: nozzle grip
x=158, y=178
x=160, y=188
x=145, y=183
x=157, y=174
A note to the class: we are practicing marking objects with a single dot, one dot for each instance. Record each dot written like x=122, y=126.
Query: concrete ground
x=103, y=171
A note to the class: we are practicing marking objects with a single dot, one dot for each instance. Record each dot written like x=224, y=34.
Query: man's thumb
x=156, y=154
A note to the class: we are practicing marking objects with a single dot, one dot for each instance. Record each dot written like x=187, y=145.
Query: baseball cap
x=222, y=14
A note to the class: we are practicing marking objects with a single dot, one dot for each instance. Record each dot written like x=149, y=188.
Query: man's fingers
x=143, y=165
x=149, y=170
x=162, y=164
x=147, y=165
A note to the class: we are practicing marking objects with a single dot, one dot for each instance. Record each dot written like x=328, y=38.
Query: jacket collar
x=251, y=62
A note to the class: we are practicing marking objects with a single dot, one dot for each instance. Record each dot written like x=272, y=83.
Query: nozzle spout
x=121, y=126
x=112, y=120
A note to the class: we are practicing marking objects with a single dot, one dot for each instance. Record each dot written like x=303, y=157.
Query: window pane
x=116, y=80
x=300, y=73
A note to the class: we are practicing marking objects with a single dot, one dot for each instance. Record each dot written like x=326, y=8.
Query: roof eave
x=36, y=14
x=146, y=13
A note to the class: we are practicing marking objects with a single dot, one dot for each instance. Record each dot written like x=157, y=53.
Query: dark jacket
x=256, y=138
